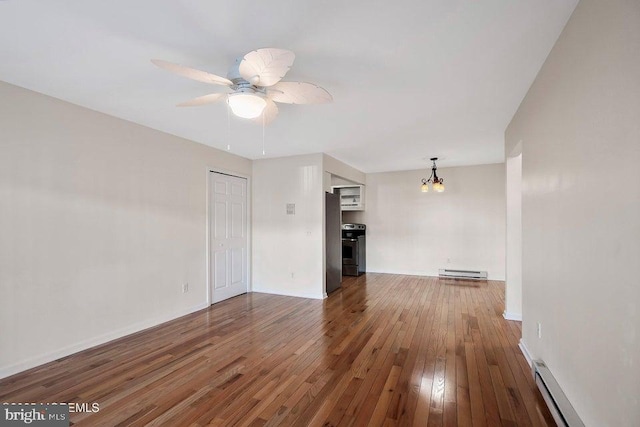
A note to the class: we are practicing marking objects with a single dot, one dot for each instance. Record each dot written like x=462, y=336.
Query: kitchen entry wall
x=288, y=231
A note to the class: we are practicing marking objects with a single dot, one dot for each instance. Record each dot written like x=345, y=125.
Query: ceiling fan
x=253, y=84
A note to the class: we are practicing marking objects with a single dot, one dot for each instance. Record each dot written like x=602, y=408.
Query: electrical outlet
x=539, y=330
x=185, y=288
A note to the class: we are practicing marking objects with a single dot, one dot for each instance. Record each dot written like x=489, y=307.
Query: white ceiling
x=410, y=79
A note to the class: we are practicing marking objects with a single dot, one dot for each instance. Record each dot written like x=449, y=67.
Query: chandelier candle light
x=436, y=183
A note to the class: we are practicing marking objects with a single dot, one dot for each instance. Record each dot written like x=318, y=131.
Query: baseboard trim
x=525, y=352
x=6, y=371
x=512, y=316
x=289, y=294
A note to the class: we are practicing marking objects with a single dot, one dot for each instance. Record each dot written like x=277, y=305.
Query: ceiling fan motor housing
x=237, y=79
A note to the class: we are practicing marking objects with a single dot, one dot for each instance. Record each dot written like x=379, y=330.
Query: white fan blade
x=270, y=112
x=299, y=93
x=202, y=100
x=265, y=67
x=191, y=73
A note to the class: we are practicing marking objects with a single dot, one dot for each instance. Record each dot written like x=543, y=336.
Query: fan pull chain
x=228, y=127
x=263, y=125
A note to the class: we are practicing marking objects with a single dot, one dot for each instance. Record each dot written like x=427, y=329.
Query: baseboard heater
x=463, y=274
x=559, y=406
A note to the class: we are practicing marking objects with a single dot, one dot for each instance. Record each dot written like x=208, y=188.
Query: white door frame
x=208, y=231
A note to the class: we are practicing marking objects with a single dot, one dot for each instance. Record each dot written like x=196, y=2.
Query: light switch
x=291, y=208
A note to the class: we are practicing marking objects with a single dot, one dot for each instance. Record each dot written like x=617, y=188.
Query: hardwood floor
x=385, y=350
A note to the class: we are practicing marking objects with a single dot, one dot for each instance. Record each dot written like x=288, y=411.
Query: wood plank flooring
x=385, y=350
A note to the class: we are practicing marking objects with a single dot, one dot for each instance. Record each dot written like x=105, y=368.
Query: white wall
x=288, y=250
x=580, y=129
x=326, y=182
x=411, y=232
x=513, y=285
x=101, y=222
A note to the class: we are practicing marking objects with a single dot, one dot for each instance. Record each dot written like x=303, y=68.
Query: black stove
x=353, y=249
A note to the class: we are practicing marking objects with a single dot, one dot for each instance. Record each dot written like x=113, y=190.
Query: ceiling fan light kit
x=436, y=183
x=254, y=84
x=246, y=105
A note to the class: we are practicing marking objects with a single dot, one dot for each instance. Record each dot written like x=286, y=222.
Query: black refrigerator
x=333, y=241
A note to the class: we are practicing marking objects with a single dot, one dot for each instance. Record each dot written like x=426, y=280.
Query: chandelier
x=436, y=183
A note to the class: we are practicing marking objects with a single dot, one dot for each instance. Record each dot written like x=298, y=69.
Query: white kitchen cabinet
x=351, y=197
